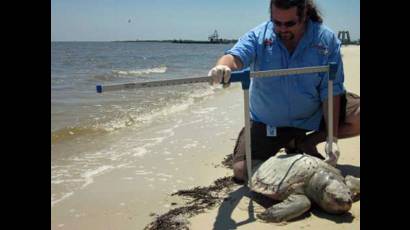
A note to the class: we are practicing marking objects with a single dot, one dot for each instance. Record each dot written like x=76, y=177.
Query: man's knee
x=239, y=170
x=354, y=122
x=356, y=125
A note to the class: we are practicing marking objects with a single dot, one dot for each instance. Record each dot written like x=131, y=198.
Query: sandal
x=238, y=181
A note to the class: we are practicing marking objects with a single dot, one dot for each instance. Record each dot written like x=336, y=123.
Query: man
x=284, y=109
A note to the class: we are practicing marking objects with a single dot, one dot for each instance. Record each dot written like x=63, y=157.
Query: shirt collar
x=308, y=35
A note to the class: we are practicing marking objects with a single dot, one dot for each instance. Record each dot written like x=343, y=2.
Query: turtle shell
x=282, y=175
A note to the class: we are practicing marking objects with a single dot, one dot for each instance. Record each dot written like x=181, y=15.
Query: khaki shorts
x=264, y=147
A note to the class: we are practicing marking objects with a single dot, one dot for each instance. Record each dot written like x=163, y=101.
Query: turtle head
x=330, y=192
x=337, y=197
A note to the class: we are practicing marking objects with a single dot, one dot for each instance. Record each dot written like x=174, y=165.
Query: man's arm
x=222, y=70
x=231, y=61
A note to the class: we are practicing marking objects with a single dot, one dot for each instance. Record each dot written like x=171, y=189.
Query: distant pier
x=212, y=39
x=220, y=41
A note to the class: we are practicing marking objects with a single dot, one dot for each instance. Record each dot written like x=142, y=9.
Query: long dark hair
x=312, y=12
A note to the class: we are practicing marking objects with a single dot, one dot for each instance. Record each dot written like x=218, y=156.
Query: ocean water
x=92, y=133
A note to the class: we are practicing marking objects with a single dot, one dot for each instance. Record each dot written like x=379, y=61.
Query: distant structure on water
x=212, y=39
x=344, y=37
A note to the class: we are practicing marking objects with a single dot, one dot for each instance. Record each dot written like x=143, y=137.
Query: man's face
x=287, y=23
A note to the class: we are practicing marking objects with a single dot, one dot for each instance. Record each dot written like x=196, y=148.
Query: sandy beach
x=184, y=152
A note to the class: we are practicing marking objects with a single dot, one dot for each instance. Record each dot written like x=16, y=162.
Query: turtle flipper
x=293, y=206
x=354, y=185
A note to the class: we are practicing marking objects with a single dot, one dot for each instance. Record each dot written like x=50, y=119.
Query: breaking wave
x=161, y=69
x=129, y=73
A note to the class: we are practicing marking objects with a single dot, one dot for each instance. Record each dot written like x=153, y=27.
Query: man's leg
x=348, y=127
x=238, y=158
x=239, y=171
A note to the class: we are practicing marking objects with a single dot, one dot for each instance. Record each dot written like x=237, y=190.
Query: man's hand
x=333, y=156
x=219, y=73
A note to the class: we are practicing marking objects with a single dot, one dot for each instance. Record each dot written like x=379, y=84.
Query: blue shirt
x=294, y=100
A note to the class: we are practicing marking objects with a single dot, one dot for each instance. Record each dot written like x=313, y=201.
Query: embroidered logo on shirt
x=268, y=42
x=321, y=48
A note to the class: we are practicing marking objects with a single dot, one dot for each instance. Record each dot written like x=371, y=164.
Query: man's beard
x=287, y=36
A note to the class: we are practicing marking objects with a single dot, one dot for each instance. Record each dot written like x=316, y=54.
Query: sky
x=114, y=20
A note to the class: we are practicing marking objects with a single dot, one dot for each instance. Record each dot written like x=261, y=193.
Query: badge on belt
x=270, y=131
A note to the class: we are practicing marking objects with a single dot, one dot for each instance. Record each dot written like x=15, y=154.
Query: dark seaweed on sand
x=200, y=199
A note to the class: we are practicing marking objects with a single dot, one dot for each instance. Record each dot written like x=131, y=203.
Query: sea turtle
x=298, y=179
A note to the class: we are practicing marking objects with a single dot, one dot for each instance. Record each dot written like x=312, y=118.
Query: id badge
x=270, y=131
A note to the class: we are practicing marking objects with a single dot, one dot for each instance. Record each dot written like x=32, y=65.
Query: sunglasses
x=285, y=24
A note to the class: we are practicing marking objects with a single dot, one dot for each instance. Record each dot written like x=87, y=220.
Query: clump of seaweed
x=200, y=199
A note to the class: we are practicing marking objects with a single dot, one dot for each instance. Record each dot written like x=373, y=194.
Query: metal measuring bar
x=244, y=77
x=237, y=76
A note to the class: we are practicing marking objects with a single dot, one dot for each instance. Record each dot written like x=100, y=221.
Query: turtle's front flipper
x=293, y=206
x=354, y=185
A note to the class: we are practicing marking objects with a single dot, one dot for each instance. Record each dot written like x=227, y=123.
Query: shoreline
x=175, y=157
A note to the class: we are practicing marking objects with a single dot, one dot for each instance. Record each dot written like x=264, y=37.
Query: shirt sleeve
x=245, y=48
x=338, y=87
